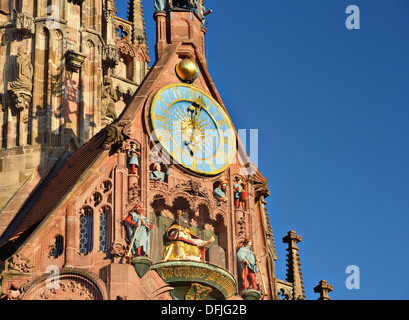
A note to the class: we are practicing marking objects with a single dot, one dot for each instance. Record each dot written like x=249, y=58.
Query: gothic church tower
x=55, y=54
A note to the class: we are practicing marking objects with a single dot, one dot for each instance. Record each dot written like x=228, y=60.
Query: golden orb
x=187, y=70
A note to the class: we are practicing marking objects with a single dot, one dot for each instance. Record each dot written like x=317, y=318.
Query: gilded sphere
x=187, y=70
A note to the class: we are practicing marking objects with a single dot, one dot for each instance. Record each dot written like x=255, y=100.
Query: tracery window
x=86, y=230
x=95, y=219
x=104, y=223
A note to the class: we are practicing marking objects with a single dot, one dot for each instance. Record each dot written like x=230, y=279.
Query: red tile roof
x=57, y=188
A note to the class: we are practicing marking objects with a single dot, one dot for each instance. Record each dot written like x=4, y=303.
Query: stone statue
x=240, y=195
x=20, y=89
x=182, y=243
x=157, y=174
x=133, y=158
x=19, y=263
x=201, y=8
x=220, y=191
x=109, y=97
x=13, y=288
x=138, y=227
x=247, y=262
x=160, y=5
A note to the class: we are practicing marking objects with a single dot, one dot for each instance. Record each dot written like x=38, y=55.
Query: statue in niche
x=181, y=3
x=139, y=228
x=20, y=90
x=220, y=191
x=247, y=262
x=160, y=5
x=240, y=195
x=157, y=174
x=182, y=243
x=200, y=9
x=109, y=97
x=133, y=157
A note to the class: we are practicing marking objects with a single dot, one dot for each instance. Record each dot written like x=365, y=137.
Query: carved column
x=120, y=196
x=110, y=12
x=70, y=225
x=294, y=274
x=160, y=17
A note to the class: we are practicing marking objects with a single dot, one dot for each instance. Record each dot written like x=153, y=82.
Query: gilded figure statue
x=182, y=243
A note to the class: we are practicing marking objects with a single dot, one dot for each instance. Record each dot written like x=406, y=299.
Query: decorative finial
x=323, y=288
x=187, y=70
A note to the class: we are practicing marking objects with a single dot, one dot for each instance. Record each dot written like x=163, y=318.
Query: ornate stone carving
x=13, y=288
x=284, y=290
x=110, y=56
x=117, y=134
x=68, y=290
x=69, y=284
x=74, y=60
x=118, y=250
x=323, y=288
x=24, y=24
x=19, y=263
x=197, y=292
x=260, y=184
x=110, y=10
x=20, y=90
x=242, y=227
x=109, y=97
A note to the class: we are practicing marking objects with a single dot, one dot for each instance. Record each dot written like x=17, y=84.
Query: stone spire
x=323, y=288
x=294, y=274
x=136, y=16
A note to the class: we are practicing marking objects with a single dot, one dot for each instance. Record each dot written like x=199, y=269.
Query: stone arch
x=219, y=212
x=157, y=195
x=182, y=201
x=66, y=284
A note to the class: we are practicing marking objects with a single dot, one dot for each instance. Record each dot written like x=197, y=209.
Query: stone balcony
x=192, y=280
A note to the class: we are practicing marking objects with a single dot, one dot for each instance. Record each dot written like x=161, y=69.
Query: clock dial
x=193, y=128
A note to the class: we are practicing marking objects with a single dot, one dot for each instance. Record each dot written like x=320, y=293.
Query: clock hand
x=196, y=109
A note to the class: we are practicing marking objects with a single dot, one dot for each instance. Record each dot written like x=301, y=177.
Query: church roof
x=52, y=191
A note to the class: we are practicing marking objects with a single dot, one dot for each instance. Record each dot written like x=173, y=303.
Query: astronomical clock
x=193, y=129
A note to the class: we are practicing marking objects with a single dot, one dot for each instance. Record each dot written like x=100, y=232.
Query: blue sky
x=331, y=106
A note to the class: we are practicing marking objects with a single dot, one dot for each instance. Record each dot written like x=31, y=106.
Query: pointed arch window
x=104, y=227
x=86, y=230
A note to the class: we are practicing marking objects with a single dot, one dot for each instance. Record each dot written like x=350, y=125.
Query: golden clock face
x=193, y=129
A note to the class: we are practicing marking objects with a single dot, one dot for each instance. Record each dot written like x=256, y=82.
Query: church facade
x=124, y=183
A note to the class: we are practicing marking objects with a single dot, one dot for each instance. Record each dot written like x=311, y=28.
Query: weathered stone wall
x=74, y=50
